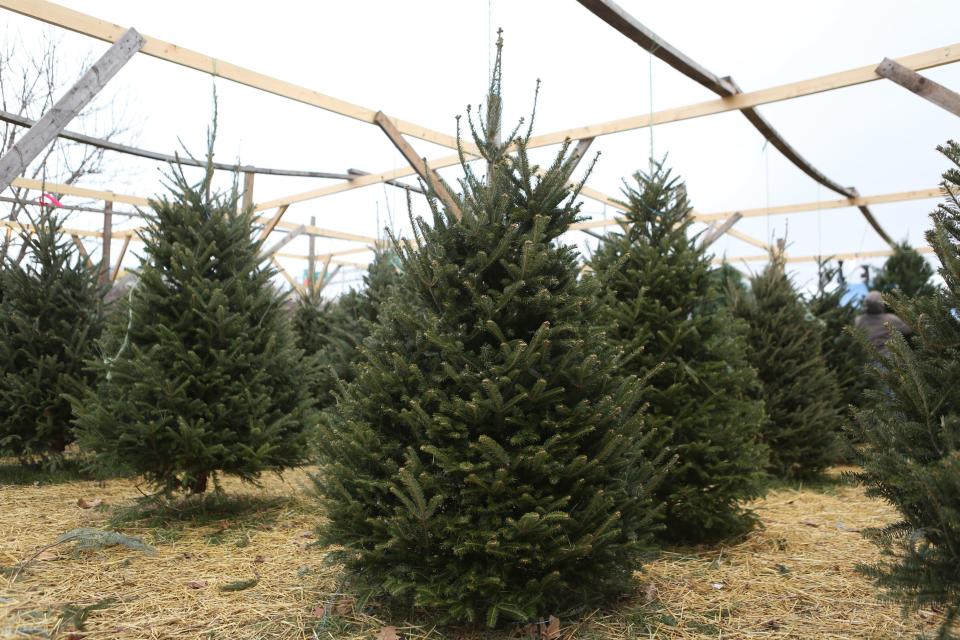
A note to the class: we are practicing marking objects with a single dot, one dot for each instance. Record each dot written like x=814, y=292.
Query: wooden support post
x=718, y=229
x=923, y=87
x=29, y=146
x=578, y=152
x=284, y=242
x=312, y=258
x=83, y=250
x=327, y=277
x=428, y=175
x=107, y=237
x=123, y=253
x=272, y=222
x=248, y=177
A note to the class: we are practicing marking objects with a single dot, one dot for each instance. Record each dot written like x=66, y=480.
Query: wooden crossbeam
x=923, y=87
x=860, y=255
x=78, y=22
x=286, y=275
x=123, y=253
x=272, y=222
x=46, y=130
x=82, y=249
x=419, y=164
x=107, y=241
x=718, y=229
x=284, y=241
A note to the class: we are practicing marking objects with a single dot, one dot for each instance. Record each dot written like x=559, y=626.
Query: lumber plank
x=123, y=253
x=105, y=253
x=284, y=241
x=45, y=131
x=286, y=275
x=720, y=228
x=419, y=164
x=82, y=249
x=272, y=222
x=859, y=255
x=923, y=87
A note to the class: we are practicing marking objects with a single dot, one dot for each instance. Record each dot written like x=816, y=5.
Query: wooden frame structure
x=731, y=98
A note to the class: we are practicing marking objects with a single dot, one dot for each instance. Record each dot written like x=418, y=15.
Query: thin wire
x=650, y=92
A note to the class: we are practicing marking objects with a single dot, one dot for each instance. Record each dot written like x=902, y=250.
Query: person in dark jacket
x=876, y=323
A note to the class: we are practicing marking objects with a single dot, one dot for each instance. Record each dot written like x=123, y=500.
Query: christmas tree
x=702, y=394
x=50, y=317
x=728, y=284
x=488, y=462
x=911, y=424
x=207, y=379
x=800, y=393
x=906, y=270
x=332, y=332
x=842, y=351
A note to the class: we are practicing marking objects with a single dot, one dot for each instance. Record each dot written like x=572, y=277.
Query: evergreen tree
x=727, y=285
x=207, y=379
x=843, y=353
x=800, y=393
x=50, y=316
x=702, y=394
x=487, y=461
x=906, y=270
x=911, y=424
x=332, y=332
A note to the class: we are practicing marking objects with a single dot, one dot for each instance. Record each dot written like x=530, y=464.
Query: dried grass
x=792, y=578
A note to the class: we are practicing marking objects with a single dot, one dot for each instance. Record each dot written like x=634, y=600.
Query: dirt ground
x=249, y=568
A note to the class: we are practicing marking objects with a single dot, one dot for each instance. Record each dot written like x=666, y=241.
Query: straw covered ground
x=247, y=568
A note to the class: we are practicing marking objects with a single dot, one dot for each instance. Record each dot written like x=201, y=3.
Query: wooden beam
x=105, y=253
x=78, y=22
x=272, y=222
x=718, y=229
x=312, y=257
x=742, y=237
x=394, y=183
x=83, y=250
x=82, y=233
x=579, y=152
x=328, y=277
x=860, y=255
x=923, y=87
x=283, y=242
x=110, y=145
x=123, y=253
x=286, y=276
x=248, y=177
x=419, y=164
x=81, y=192
x=31, y=143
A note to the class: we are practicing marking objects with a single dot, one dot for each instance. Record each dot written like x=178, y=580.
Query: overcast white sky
x=425, y=60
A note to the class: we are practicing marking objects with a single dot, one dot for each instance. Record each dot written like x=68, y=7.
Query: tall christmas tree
x=842, y=351
x=703, y=396
x=207, y=379
x=906, y=270
x=911, y=424
x=50, y=317
x=488, y=462
x=800, y=393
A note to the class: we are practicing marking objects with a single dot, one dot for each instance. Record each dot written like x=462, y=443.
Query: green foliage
x=75, y=615
x=207, y=378
x=331, y=332
x=906, y=270
x=702, y=394
x=800, y=393
x=50, y=316
x=728, y=284
x=488, y=462
x=842, y=351
x=911, y=424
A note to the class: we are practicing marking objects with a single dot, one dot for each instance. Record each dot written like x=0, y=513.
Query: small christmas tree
x=207, y=379
x=801, y=395
x=727, y=285
x=911, y=424
x=487, y=461
x=842, y=351
x=906, y=270
x=50, y=317
x=702, y=394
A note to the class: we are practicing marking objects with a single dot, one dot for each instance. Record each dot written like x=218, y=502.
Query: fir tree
x=332, y=332
x=50, y=316
x=727, y=285
x=800, y=393
x=488, y=462
x=906, y=270
x=702, y=394
x=207, y=379
x=911, y=424
x=843, y=353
